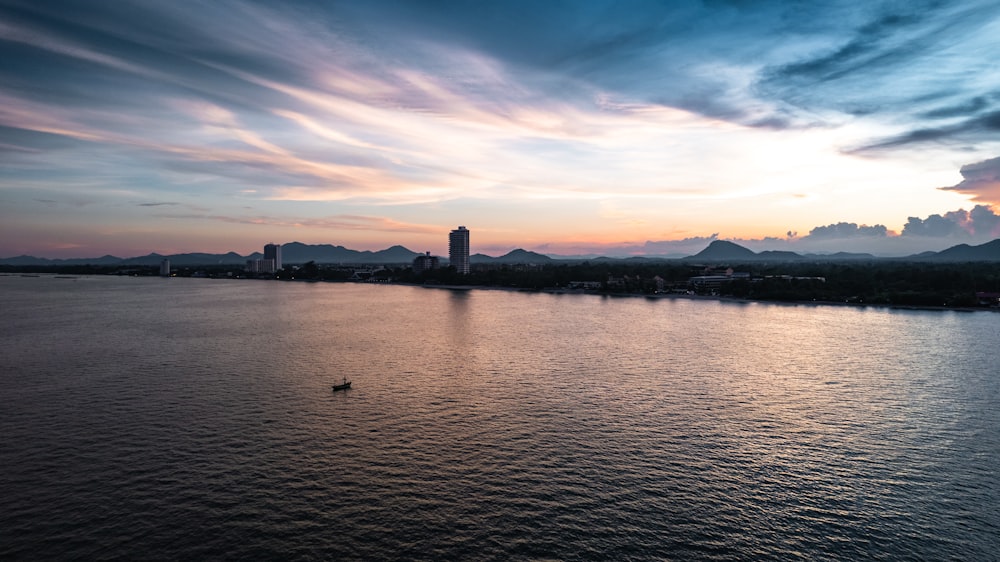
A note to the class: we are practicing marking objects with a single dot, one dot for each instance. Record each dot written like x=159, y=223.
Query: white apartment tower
x=458, y=249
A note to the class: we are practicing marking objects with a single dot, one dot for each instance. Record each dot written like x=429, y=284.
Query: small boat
x=344, y=386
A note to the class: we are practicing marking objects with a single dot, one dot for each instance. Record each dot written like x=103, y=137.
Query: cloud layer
x=557, y=122
x=981, y=180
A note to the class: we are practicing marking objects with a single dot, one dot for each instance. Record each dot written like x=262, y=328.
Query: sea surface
x=193, y=419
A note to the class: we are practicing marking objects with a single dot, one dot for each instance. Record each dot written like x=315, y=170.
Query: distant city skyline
x=604, y=128
x=717, y=250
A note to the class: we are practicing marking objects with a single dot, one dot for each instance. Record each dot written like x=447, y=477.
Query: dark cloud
x=131, y=55
x=901, y=66
x=979, y=127
x=842, y=230
x=935, y=232
x=971, y=107
x=984, y=221
x=867, y=49
x=981, y=223
x=989, y=122
x=851, y=76
x=936, y=226
x=165, y=204
x=911, y=137
x=982, y=180
x=775, y=122
x=24, y=140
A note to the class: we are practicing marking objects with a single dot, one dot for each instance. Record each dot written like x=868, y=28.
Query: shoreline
x=714, y=298
x=585, y=292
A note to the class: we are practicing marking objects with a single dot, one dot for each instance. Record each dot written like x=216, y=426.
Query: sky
x=563, y=127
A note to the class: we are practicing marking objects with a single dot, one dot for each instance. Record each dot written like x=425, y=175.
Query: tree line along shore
x=877, y=282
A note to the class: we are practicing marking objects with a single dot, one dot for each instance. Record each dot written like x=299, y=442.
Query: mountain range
x=299, y=253
x=722, y=250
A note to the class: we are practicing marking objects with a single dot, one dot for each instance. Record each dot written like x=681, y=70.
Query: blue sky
x=568, y=128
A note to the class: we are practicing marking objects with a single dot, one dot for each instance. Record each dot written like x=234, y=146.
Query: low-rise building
x=425, y=262
x=261, y=266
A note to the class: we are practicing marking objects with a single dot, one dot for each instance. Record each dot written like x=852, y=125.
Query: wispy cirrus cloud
x=337, y=222
x=985, y=125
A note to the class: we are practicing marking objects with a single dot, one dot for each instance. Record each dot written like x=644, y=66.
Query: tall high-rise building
x=458, y=249
x=273, y=252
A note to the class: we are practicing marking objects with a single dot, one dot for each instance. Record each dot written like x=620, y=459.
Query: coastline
x=558, y=291
x=715, y=298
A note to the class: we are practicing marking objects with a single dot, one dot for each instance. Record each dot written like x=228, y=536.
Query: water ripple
x=193, y=419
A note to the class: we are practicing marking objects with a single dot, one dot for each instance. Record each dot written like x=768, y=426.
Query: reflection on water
x=149, y=418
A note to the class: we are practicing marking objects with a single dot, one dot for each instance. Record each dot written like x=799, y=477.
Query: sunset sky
x=567, y=128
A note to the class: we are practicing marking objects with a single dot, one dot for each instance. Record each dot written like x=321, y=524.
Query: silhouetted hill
x=196, y=258
x=33, y=261
x=514, y=256
x=778, y=255
x=722, y=250
x=153, y=259
x=989, y=251
x=299, y=253
x=24, y=260
x=395, y=254
x=291, y=253
x=839, y=256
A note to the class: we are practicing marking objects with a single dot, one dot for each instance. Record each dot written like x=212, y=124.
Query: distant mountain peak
x=725, y=250
x=521, y=252
x=297, y=252
x=519, y=255
x=989, y=251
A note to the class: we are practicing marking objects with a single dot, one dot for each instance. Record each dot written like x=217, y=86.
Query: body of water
x=191, y=419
